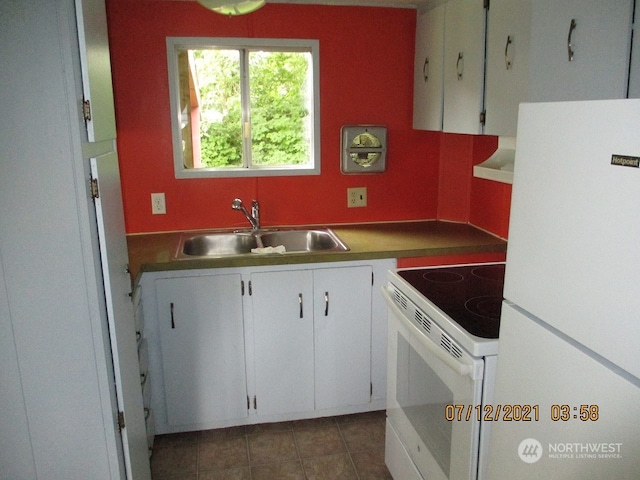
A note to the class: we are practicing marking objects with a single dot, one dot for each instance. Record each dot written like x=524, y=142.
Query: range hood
x=499, y=166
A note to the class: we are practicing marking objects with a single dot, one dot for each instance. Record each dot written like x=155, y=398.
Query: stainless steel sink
x=304, y=240
x=214, y=244
x=239, y=243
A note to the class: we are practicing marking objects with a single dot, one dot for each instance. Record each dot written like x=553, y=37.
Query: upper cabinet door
x=95, y=64
x=634, y=70
x=464, y=66
x=579, y=49
x=428, y=69
x=507, y=66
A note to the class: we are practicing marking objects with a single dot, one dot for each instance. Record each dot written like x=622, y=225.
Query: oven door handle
x=458, y=367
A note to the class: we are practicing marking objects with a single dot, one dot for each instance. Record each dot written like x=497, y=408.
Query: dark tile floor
x=344, y=447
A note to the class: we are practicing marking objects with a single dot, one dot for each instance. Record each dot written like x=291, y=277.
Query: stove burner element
x=489, y=272
x=439, y=276
x=485, y=306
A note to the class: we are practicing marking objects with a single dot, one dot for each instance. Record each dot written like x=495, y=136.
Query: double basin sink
x=238, y=243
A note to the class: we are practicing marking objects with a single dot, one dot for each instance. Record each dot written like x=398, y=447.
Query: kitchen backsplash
x=366, y=76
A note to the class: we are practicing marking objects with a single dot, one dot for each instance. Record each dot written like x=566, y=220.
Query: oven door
x=423, y=378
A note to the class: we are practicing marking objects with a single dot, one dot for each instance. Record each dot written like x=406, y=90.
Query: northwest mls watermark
x=531, y=450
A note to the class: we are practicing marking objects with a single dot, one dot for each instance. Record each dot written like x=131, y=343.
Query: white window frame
x=175, y=44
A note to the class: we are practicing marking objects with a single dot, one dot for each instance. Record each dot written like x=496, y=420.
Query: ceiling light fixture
x=232, y=7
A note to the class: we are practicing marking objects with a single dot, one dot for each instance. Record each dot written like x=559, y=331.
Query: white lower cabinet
x=244, y=345
x=201, y=331
x=283, y=341
x=342, y=336
x=312, y=339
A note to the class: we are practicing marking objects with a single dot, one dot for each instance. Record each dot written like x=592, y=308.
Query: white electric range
x=442, y=353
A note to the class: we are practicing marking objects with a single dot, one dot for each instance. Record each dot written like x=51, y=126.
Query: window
x=244, y=107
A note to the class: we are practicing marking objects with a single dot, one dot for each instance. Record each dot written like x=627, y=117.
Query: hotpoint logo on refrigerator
x=625, y=161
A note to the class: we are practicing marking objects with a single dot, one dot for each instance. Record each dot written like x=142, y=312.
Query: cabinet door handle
x=507, y=62
x=173, y=323
x=301, y=308
x=459, y=66
x=572, y=27
x=425, y=69
x=326, y=304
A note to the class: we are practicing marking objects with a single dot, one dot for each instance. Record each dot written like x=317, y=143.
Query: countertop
x=155, y=251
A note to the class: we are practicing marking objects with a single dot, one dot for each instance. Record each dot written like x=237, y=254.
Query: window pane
x=281, y=113
x=220, y=108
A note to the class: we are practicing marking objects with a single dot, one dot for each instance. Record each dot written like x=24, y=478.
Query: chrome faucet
x=253, y=217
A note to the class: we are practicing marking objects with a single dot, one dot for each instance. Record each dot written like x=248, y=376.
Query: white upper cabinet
x=579, y=49
x=428, y=85
x=536, y=51
x=464, y=38
x=507, y=65
x=449, y=66
x=634, y=70
x=95, y=64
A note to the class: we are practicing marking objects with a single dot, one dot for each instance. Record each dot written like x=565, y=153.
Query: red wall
x=366, y=75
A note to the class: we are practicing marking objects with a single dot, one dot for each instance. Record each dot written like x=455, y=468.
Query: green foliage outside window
x=278, y=107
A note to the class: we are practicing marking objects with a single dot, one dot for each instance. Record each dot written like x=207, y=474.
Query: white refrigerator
x=567, y=396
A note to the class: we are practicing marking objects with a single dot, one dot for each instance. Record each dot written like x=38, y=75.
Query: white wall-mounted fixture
x=499, y=166
x=364, y=149
x=232, y=7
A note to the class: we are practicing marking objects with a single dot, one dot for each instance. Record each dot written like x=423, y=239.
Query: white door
x=598, y=43
x=202, y=341
x=95, y=65
x=507, y=64
x=428, y=70
x=342, y=336
x=283, y=341
x=463, y=66
x=117, y=287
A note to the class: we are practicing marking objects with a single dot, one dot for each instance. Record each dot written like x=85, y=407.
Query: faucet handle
x=255, y=211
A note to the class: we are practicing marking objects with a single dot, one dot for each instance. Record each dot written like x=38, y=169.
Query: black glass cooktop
x=470, y=295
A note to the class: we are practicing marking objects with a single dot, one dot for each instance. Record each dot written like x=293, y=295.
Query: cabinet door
x=634, y=69
x=342, y=336
x=600, y=42
x=283, y=341
x=428, y=70
x=202, y=346
x=463, y=66
x=507, y=64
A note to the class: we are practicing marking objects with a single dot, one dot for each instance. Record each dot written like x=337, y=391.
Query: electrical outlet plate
x=357, y=197
x=158, y=205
